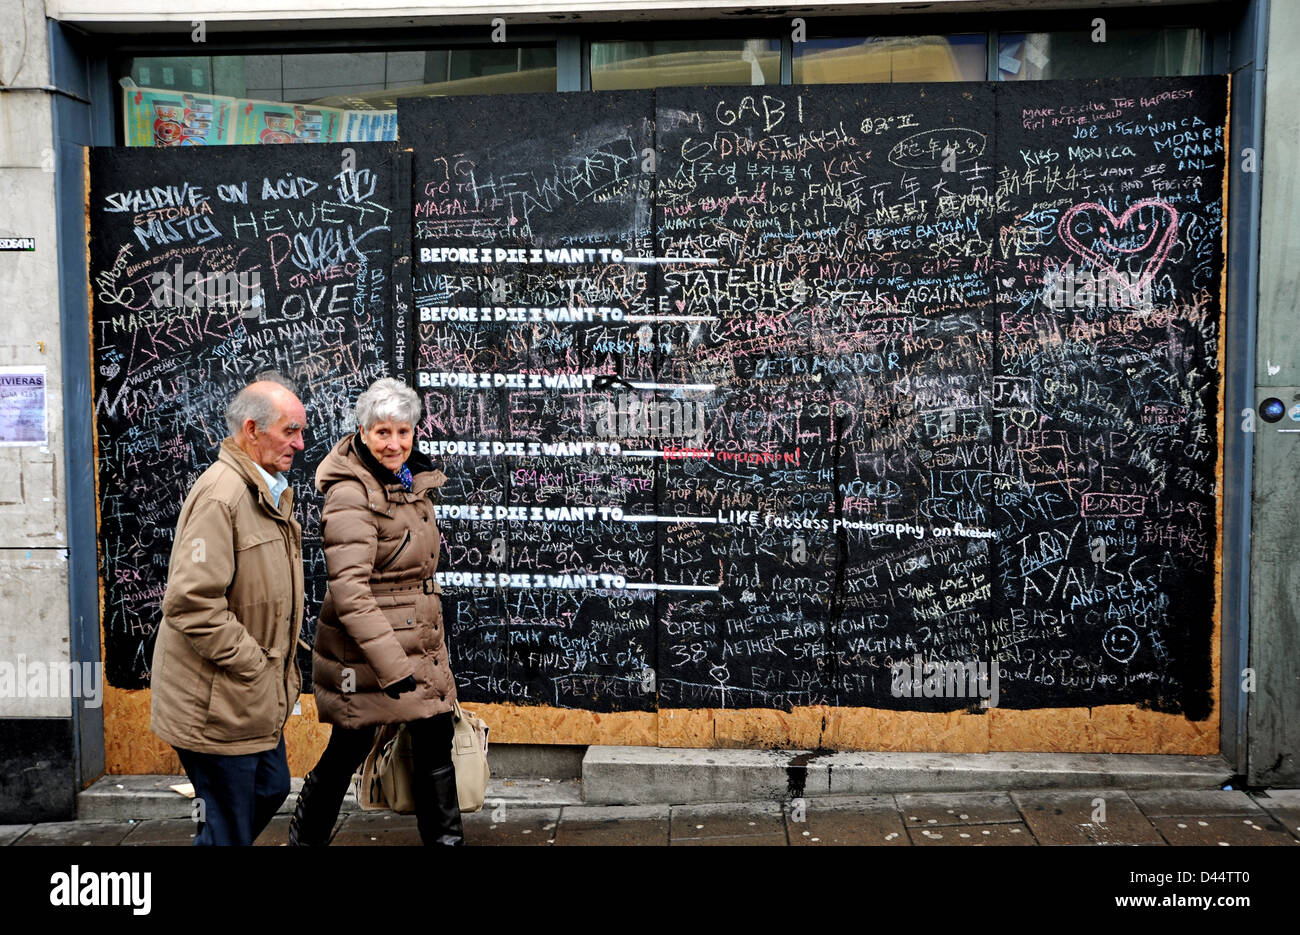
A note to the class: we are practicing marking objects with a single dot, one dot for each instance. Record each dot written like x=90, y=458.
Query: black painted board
x=845, y=329
x=1110, y=276
x=208, y=266
x=881, y=435
x=532, y=282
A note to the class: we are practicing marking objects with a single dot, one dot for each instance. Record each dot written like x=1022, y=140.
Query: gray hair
x=276, y=377
x=250, y=404
x=387, y=400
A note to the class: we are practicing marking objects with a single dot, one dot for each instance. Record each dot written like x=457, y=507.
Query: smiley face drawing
x=1120, y=642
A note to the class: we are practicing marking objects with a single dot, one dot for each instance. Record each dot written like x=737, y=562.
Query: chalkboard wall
x=750, y=396
x=209, y=266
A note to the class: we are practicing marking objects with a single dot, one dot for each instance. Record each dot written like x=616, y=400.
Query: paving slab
x=1179, y=803
x=11, y=833
x=1288, y=818
x=770, y=839
x=76, y=833
x=614, y=825
x=146, y=797
x=376, y=828
x=692, y=822
x=873, y=821
x=857, y=803
x=538, y=793
x=276, y=834
x=392, y=837
x=654, y=775
x=165, y=832
x=511, y=825
x=619, y=775
x=921, y=809
x=1059, y=817
x=1287, y=798
x=150, y=796
x=1224, y=831
x=1283, y=805
x=1013, y=834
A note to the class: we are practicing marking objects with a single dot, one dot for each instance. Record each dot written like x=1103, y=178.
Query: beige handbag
x=396, y=768
x=368, y=785
x=469, y=746
x=386, y=777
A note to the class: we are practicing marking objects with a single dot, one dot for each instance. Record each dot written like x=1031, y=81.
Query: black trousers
x=347, y=749
x=237, y=795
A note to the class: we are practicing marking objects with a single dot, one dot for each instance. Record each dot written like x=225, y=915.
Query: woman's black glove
x=400, y=688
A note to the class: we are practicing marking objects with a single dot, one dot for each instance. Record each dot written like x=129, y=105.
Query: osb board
x=544, y=724
x=1108, y=729
x=131, y=748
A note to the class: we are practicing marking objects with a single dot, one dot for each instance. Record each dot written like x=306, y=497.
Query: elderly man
x=225, y=677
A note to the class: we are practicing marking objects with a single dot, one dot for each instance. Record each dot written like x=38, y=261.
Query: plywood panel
x=131, y=748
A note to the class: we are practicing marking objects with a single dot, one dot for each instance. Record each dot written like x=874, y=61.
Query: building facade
x=86, y=73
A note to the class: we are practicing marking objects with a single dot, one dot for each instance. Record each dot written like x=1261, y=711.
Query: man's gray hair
x=276, y=377
x=387, y=400
x=257, y=405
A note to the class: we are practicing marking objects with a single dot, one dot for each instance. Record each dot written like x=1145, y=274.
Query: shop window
x=310, y=97
x=1125, y=53
x=360, y=77
x=891, y=59
x=669, y=63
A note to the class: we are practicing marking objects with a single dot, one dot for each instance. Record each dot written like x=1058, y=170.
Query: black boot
x=437, y=808
x=314, y=815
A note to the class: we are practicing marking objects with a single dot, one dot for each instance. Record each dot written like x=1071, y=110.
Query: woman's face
x=389, y=442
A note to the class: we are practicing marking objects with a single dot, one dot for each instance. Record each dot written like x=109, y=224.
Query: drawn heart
x=1153, y=233
x=1009, y=281
x=109, y=370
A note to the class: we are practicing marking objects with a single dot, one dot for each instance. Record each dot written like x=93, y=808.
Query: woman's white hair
x=387, y=400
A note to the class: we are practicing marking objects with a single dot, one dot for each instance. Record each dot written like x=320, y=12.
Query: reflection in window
x=1126, y=53
x=891, y=59
x=356, y=80
x=670, y=63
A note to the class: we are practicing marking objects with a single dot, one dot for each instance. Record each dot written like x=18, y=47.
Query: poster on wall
x=22, y=406
x=272, y=122
x=160, y=117
x=172, y=118
x=369, y=126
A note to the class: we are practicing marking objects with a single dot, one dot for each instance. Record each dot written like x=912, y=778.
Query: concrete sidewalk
x=539, y=813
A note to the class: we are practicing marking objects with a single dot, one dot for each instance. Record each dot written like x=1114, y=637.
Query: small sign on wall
x=22, y=406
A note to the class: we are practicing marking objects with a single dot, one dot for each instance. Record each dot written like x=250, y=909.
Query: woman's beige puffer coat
x=382, y=616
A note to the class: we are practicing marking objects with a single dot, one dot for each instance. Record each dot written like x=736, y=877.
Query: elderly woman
x=380, y=656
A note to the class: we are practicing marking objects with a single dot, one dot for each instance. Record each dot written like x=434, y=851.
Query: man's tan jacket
x=225, y=675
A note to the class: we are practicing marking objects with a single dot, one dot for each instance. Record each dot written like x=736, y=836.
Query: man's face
x=274, y=448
